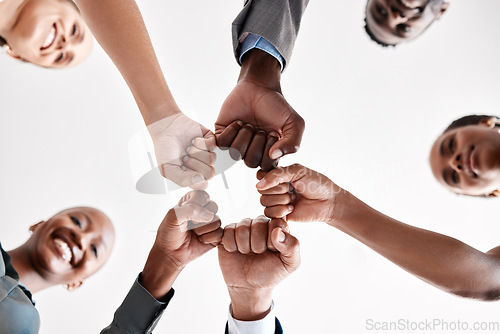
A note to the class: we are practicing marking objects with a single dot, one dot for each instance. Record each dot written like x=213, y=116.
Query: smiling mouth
x=51, y=37
x=64, y=250
x=469, y=163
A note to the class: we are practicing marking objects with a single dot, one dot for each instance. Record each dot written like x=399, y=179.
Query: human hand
x=251, y=268
x=184, y=150
x=188, y=231
x=245, y=142
x=257, y=100
x=299, y=194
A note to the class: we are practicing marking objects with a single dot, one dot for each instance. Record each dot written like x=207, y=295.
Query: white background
x=371, y=114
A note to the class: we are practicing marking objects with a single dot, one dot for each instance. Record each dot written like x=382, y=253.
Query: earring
x=69, y=287
x=496, y=193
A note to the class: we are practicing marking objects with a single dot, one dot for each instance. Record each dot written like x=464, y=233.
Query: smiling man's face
x=391, y=22
x=72, y=245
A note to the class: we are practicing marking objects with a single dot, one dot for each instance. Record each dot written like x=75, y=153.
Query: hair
x=373, y=38
x=2, y=41
x=468, y=120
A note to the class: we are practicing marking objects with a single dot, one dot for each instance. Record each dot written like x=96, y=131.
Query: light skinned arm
x=120, y=30
x=442, y=261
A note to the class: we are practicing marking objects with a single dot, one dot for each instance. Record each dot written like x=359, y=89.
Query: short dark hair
x=468, y=120
x=373, y=38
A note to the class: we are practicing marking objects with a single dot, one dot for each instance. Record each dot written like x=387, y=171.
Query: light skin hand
x=257, y=100
x=299, y=194
x=251, y=269
x=120, y=30
x=188, y=231
x=184, y=150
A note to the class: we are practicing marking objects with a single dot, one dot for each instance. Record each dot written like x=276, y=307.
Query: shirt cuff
x=140, y=311
x=252, y=41
x=267, y=325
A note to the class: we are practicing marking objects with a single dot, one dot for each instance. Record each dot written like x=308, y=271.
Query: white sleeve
x=267, y=325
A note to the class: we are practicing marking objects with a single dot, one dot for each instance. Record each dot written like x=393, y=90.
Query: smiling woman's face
x=72, y=245
x=50, y=33
x=466, y=160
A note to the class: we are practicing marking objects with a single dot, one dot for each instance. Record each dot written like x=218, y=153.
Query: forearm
x=120, y=30
x=159, y=274
x=250, y=304
x=445, y=262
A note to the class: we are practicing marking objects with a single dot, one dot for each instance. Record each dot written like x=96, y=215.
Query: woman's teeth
x=50, y=38
x=66, y=251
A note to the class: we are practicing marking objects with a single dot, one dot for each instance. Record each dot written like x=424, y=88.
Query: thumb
x=288, y=246
x=292, y=136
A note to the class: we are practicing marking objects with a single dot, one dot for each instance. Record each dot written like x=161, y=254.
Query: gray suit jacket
x=278, y=21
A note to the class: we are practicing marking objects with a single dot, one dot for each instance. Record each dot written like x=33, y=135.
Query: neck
x=9, y=12
x=28, y=276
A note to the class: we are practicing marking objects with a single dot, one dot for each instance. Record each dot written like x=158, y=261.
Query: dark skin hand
x=244, y=142
x=256, y=112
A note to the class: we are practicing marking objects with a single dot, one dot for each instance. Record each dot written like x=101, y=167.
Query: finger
x=193, y=212
x=273, y=200
x=282, y=175
x=213, y=238
x=207, y=171
x=212, y=206
x=261, y=174
x=225, y=139
x=274, y=223
x=207, y=227
x=228, y=239
x=183, y=178
x=255, y=151
x=258, y=234
x=208, y=158
x=199, y=197
x=283, y=188
x=242, y=236
x=288, y=246
x=241, y=142
x=208, y=142
x=292, y=136
x=278, y=211
x=267, y=163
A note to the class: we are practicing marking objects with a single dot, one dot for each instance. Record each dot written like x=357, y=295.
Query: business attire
x=277, y=21
x=269, y=25
x=18, y=314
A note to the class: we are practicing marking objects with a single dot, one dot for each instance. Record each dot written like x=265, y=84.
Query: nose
x=456, y=162
x=62, y=42
x=396, y=17
x=80, y=239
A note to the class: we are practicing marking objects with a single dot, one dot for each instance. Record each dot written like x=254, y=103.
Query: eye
x=94, y=250
x=451, y=145
x=74, y=30
x=420, y=10
x=60, y=58
x=381, y=10
x=454, y=177
x=76, y=221
x=403, y=27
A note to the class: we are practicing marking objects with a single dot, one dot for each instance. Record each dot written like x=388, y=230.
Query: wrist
x=158, y=113
x=159, y=273
x=338, y=204
x=262, y=69
x=250, y=304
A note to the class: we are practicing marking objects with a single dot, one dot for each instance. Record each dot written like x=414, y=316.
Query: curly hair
x=373, y=38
